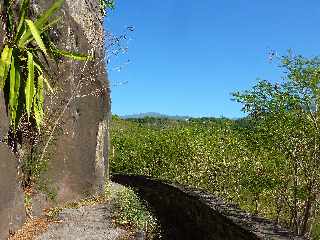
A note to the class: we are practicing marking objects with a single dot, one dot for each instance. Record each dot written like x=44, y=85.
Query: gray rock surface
x=78, y=151
x=12, y=213
x=81, y=149
x=90, y=222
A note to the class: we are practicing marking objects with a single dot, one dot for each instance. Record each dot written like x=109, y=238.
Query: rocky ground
x=87, y=222
x=90, y=221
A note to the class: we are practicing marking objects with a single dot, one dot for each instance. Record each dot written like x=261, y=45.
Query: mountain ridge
x=155, y=115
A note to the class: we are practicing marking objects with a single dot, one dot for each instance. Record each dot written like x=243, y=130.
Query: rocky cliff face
x=80, y=110
x=12, y=213
x=77, y=156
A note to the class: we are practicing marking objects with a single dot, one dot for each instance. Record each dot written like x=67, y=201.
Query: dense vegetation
x=268, y=162
x=132, y=213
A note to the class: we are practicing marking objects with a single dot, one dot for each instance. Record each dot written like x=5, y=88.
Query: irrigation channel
x=186, y=213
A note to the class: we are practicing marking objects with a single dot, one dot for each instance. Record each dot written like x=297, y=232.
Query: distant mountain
x=155, y=115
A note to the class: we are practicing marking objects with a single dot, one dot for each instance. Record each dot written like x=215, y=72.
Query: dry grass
x=32, y=228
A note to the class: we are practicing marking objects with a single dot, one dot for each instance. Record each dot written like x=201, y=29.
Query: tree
x=285, y=117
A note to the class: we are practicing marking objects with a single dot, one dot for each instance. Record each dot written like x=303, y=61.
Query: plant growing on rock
x=26, y=45
x=26, y=53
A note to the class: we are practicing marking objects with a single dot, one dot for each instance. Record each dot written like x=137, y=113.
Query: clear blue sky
x=187, y=56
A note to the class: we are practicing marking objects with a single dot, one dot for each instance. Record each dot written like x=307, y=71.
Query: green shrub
x=217, y=157
x=106, y=4
x=133, y=213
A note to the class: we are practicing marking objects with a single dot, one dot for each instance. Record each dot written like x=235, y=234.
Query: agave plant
x=22, y=74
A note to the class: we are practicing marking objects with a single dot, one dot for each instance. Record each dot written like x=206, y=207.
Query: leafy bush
x=106, y=4
x=219, y=158
x=130, y=211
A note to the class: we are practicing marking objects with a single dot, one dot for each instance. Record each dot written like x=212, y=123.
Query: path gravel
x=87, y=222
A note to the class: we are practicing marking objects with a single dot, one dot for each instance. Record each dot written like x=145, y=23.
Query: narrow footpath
x=94, y=221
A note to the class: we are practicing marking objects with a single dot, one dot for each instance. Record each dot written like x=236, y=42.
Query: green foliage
x=26, y=44
x=268, y=163
x=32, y=169
x=198, y=154
x=130, y=211
x=106, y=4
x=286, y=120
x=26, y=53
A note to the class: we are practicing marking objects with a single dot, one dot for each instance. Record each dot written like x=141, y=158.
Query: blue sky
x=187, y=56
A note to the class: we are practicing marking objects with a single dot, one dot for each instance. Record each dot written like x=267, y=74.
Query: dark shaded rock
x=3, y=119
x=186, y=213
x=12, y=213
x=39, y=202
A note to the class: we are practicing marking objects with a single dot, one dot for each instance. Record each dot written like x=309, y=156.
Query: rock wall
x=12, y=213
x=79, y=113
x=78, y=152
x=186, y=213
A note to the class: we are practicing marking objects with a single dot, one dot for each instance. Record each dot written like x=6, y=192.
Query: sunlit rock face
x=79, y=111
x=80, y=105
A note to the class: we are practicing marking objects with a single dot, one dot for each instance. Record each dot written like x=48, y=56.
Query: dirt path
x=89, y=222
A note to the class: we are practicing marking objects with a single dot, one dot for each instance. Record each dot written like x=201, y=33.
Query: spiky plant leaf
x=14, y=92
x=38, y=65
x=29, y=88
x=38, y=102
x=5, y=62
x=41, y=70
x=21, y=63
x=41, y=21
x=48, y=85
x=10, y=17
x=36, y=35
x=51, y=24
x=44, y=29
x=12, y=98
x=72, y=55
x=22, y=17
